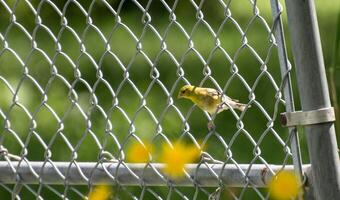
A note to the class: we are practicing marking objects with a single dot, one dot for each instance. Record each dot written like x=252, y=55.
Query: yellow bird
x=209, y=99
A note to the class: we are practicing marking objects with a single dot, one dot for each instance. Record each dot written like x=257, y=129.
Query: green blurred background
x=82, y=126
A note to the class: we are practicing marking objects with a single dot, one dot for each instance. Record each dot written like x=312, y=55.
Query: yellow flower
x=100, y=192
x=284, y=185
x=209, y=99
x=139, y=153
x=175, y=158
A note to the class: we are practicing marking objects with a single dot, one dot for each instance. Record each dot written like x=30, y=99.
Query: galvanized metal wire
x=60, y=62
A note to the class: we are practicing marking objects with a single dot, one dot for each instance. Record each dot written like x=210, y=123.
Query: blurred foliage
x=81, y=127
x=333, y=69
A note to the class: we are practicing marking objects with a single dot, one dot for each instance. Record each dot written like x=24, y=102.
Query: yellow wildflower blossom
x=139, y=153
x=175, y=158
x=100, y=192
x=284, y=186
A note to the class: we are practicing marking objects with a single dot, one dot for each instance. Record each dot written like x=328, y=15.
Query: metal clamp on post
x=302, y=118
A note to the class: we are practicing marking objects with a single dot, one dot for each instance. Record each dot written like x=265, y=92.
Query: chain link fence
x=81, y=81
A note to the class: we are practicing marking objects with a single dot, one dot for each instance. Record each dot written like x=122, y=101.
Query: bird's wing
x=226, y=98
x=235, y=100
x=213, y=93
x=216, y=94
x=229, y=100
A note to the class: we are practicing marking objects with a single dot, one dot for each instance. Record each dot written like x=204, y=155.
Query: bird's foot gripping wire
x=211, y=125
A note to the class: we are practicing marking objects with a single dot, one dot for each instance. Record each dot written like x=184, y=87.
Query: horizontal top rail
x=80, y=173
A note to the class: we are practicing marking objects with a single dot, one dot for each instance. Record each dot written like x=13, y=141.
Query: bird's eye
x=183, y=91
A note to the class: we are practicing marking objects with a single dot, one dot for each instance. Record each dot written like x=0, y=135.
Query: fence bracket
x=302, y=118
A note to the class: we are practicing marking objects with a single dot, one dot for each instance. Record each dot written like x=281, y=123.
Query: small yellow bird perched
x=209, y=99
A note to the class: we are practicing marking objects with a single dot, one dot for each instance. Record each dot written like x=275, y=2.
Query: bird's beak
x=179, y=96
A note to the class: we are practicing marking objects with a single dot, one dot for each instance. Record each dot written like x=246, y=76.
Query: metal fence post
x=313, y=89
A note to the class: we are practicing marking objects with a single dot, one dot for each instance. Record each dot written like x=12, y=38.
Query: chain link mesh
x=82, y=80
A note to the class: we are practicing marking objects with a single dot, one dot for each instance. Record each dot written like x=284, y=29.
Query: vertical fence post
x=313, y=89
x=287, y=87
